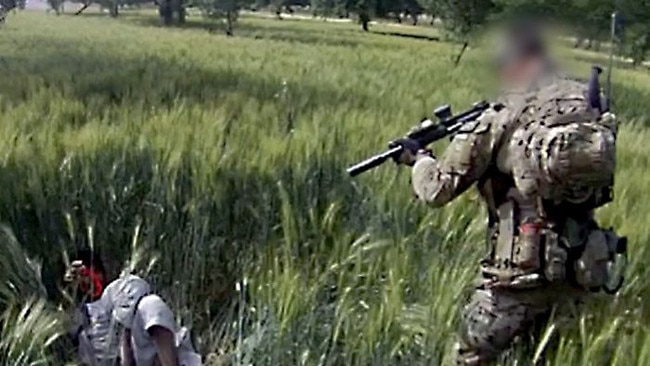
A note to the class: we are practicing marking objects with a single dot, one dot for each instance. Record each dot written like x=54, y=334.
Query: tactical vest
x=541, y=226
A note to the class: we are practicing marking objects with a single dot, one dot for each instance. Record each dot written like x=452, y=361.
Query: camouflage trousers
x=494, y=318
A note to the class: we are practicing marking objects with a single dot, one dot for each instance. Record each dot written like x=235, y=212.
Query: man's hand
x=412, y=151
x=74, y=273
x=165, y=341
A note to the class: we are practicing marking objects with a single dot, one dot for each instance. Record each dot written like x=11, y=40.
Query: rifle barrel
x=444, y=128
x=374, y=161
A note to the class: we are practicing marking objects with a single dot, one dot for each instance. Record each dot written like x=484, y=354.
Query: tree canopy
x=587, y=20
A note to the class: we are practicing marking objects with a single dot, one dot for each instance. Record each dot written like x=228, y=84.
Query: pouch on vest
x=591, y=267
x=527, y=241
x=555, y=257
x=528, y=246
x=602, y=262
x=518, y=252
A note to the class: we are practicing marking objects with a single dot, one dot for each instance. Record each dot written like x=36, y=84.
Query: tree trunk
x=181, y=15
x=365, y=19
x=114, y=10
x=166, y=12
x=180, y=11
x=229, y=21
x=415, y=19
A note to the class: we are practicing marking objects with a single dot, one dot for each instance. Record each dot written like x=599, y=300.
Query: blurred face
x=520, y=72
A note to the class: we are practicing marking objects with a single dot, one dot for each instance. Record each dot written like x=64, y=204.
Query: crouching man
x=149, y=336
x=144, y=325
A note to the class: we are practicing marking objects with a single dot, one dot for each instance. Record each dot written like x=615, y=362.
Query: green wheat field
x=216, y=165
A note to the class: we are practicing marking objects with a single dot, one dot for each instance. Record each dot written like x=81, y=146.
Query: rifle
x=427, y=133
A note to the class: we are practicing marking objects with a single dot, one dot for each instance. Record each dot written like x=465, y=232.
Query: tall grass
x=30, y=328
x=221, y=161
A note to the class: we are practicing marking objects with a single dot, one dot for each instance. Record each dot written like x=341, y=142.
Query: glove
x=412, y=151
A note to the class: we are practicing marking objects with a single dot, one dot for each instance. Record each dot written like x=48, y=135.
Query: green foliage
x=7, y=6
x=221, y=162
x=461, y=18
x=226, y=10
x=20, y=276
x=28, y=331
x=217, y=8
x=637, y=35
x=29, y=327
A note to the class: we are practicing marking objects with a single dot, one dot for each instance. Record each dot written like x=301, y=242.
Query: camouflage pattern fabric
x=494, y=318
x=467, y=158
x=560, y=150
x=491, y=145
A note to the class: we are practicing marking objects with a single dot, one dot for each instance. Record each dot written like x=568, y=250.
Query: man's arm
x=159, y=323
x=464, y=162
x=165, y=341
x=126, y=352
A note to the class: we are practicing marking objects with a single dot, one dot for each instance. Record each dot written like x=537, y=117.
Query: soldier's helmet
x=124, y=295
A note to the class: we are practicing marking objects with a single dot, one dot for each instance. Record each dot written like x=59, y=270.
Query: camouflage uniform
x=505, y=161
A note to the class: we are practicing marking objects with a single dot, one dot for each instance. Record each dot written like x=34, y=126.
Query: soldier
x=543, y=159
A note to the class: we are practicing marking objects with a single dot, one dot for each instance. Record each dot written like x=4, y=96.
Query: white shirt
x=152, y=311
x=98, y=342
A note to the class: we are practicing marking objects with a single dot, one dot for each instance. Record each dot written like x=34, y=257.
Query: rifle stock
x=447, y=126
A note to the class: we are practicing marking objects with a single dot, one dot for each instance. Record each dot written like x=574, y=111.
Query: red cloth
x=96, y=281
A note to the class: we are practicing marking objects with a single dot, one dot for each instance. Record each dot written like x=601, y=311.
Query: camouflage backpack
x=563, y=150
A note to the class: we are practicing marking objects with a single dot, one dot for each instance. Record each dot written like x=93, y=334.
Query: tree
x=590, y=19
x=56, y=5
x=6, y=5
x=171, y=12
x=461, y=18
x=635, y=14
x=226, y=10
x=364, y=8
